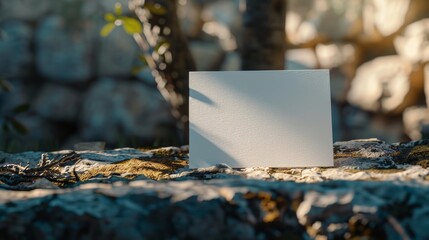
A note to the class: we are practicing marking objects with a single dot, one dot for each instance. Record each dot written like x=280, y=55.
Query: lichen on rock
x=375, y=191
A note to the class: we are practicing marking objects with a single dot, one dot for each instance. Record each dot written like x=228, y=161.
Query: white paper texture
x=260, y=119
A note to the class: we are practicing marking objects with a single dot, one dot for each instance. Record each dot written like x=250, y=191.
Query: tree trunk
x=264, y=43
x=167, y=54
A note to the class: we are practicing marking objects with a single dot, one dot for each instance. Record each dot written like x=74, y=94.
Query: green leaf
x=19, y=127
x=107, y=29
x=5, y=86
x=118, y=9
x=156, y=8
x=131, y=25
x=21, y=108
x=109, y=17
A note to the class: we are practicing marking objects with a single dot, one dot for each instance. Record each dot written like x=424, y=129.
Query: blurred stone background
x=83, y=87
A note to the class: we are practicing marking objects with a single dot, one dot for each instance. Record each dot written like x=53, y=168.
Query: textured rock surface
x=116, y=197
x=227, y=209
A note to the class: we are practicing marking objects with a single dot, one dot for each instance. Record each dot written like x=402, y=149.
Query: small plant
x=9, y=121
x=130, y=25
x=10, y=125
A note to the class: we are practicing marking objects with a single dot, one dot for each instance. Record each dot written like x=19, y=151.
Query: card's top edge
x=285, y=70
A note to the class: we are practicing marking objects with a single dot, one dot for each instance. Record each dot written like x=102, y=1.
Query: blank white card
x=260, y=119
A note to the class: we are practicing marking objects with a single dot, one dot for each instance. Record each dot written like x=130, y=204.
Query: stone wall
x=80, y=86
x=84, y=87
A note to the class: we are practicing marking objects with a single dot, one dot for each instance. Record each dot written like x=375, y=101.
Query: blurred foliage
x=130, y=25
x=9, y=120
x=134, y=26
x=156, y=9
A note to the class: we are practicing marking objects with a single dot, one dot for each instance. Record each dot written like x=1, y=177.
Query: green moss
x=418, y=155
x=154, y=168
x=420, y=151
x=423, y=163
x=347, y=155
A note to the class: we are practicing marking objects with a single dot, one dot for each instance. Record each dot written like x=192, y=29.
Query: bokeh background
x=63, y=83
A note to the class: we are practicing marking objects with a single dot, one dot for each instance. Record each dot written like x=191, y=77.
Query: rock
x=63, y=54
x=42, y=183
x=28, y=10
x=370, y=148
x=118, y=108
x=364, y=154
x=310, y=22
x=23, y=158
x=419, y=155
x=319, y=206
x=15, y=52
x=412, y=44
x=207, y=55
x=379, y=14
x=419, y=222
x=298, y=30
x=218, y=30
x=112, y=156
x=89, y=146
x=117, y=54
x=354, y=160
x=195, y=209
x=335, y=55
x=387, y=84
x=215, y=172
x=100, y=178
x=414, y=119
x=116, y=190
x=226, y=15
x=185, y=148
x=58, y=103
